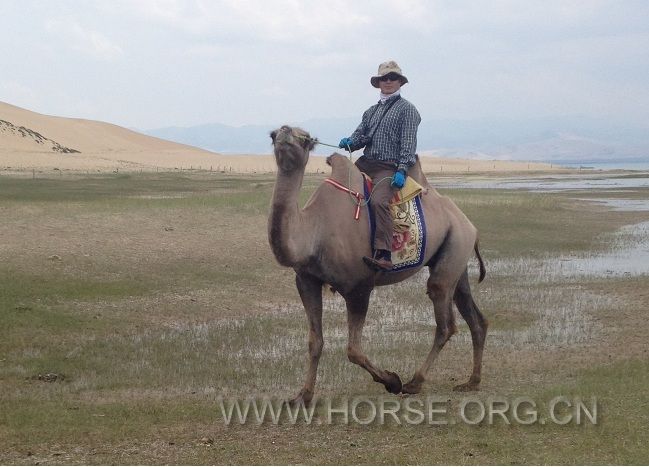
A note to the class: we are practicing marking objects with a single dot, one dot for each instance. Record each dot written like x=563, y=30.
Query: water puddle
x=629, y=252
x=629, y=256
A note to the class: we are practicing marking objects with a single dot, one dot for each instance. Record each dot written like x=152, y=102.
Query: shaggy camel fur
x=324, y=244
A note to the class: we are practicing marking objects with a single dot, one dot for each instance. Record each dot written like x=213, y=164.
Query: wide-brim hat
x=386, y=68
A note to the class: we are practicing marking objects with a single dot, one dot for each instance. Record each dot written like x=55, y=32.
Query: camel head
x=291, y=147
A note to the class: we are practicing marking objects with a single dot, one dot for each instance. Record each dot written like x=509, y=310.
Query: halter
x=358, y=196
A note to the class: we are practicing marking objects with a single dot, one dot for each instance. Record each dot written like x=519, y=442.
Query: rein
x=357, y=198
x=317, y=141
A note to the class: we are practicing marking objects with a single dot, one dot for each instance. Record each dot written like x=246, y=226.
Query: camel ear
x=273, y=134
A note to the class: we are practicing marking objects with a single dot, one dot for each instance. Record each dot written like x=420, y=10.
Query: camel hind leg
x=445, y=328
x=478, y=326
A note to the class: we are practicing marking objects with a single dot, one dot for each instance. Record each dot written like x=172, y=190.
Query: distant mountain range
x=558, y=139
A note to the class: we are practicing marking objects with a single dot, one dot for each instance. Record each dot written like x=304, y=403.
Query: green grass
x=165, y=296
x=145, y=191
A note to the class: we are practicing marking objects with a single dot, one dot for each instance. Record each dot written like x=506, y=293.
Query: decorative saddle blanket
x=409, y=237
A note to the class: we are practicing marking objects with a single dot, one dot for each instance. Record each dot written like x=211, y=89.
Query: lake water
x=576, y=182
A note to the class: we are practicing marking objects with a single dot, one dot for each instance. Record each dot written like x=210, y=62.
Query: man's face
x=390, y=83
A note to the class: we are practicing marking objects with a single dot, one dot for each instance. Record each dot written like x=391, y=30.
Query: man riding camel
x=388, y=132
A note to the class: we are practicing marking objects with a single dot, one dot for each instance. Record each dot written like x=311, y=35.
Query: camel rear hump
x=342, y=167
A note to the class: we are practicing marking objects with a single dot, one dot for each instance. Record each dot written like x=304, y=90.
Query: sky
x=154, y=63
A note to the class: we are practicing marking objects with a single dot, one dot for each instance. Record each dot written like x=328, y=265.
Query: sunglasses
x=390, y=77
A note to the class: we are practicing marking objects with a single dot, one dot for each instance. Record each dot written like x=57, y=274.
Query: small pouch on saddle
x=410, y=190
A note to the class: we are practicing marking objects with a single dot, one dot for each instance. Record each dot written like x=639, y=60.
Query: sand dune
x=33, y=141
x=100, y=145
x=87, y=136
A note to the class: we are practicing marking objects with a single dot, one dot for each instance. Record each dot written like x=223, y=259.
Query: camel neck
x=285, y=227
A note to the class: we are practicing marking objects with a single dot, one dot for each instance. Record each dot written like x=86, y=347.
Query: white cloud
x=280, y=21
x=81, y=39
x=217, y=60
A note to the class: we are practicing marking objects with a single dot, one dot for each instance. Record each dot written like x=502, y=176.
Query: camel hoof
x=393, y=385
x=413, y=387
x=303, y=397
x=466, y=387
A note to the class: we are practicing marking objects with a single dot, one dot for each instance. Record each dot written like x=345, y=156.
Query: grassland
x=129, y=304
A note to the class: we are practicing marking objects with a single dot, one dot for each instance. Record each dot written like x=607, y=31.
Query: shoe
x=380, y=264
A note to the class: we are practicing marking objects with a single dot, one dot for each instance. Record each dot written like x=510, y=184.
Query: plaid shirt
x=392, y=138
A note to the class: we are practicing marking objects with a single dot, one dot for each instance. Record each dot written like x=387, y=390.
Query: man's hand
x=399, y=179
x=346, y=143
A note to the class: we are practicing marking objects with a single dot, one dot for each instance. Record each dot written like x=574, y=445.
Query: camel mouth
x=287, y=135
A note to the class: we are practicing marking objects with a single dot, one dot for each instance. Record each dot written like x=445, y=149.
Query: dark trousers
x=381, y=174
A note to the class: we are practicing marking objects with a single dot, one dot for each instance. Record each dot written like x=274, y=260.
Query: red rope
x=359, y=196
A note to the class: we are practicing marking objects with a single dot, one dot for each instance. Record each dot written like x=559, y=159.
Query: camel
x=324, y=245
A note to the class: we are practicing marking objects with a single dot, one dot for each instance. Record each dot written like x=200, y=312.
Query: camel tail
x=483, y=270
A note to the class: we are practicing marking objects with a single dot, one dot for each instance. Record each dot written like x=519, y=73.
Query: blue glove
x=399, y=179
x=345, y=143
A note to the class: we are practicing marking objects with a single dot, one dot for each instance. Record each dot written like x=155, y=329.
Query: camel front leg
x=444, y=330
x=357, y=304
x=310, y=290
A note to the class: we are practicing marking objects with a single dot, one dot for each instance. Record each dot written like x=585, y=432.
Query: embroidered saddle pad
x=409, y=237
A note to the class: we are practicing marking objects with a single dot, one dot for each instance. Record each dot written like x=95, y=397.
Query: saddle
x=409, y=236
